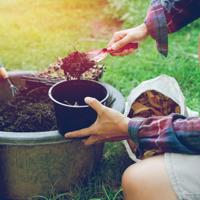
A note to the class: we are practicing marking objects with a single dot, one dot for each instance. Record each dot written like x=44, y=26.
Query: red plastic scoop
x=100, y=54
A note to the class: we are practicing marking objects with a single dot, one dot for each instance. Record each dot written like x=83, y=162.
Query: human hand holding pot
x=109, y=126
x=122, y=38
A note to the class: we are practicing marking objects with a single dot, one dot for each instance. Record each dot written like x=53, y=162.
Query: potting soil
x=76, y=65
x=30, y=110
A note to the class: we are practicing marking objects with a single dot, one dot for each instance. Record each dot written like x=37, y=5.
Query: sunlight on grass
x=34, y=33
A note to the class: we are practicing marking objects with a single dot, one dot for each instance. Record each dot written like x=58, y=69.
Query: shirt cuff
x=156, y=23
x=133, y=128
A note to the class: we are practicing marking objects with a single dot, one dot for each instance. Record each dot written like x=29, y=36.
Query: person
x=175, y=174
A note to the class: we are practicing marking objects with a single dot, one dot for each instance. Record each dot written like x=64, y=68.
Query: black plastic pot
x=72, y=113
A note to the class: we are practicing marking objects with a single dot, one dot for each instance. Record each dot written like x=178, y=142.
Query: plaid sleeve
x=167, y=16
x=174, y=133
x=157, y=26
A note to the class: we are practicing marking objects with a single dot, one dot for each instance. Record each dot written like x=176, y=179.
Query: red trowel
x=100, y=54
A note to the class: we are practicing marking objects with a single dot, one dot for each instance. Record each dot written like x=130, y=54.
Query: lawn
x=34, y=33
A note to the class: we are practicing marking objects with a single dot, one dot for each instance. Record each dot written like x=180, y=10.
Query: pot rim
x=76, y=106
x=31, y=138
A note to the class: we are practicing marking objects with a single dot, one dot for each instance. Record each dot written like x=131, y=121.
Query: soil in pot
x=29, y=111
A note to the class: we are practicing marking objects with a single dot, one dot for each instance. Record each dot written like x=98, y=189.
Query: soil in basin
x=29, y=111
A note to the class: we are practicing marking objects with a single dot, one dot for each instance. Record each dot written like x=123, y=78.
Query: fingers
x=98, y=107
x=80, y=133
x=92, y=140
x=95, y=104
x=116, y=37
x=121, y=43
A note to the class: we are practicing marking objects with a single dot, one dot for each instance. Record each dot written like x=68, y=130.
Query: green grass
x=34, y=33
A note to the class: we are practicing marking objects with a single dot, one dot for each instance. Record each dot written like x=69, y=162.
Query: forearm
x=173, y=133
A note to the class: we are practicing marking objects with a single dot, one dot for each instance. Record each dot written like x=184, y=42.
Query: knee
x=139, y=182
x=131, y=182
x=128, y=177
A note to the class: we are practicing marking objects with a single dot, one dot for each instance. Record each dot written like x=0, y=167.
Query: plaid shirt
x=174, y=133
x=168, y=16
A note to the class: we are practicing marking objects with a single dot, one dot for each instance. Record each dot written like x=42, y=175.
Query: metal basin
x=42, y=163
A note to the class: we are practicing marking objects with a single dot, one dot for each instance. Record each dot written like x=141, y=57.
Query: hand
x=122, y=38
x=3, y=72
x=109, y=126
